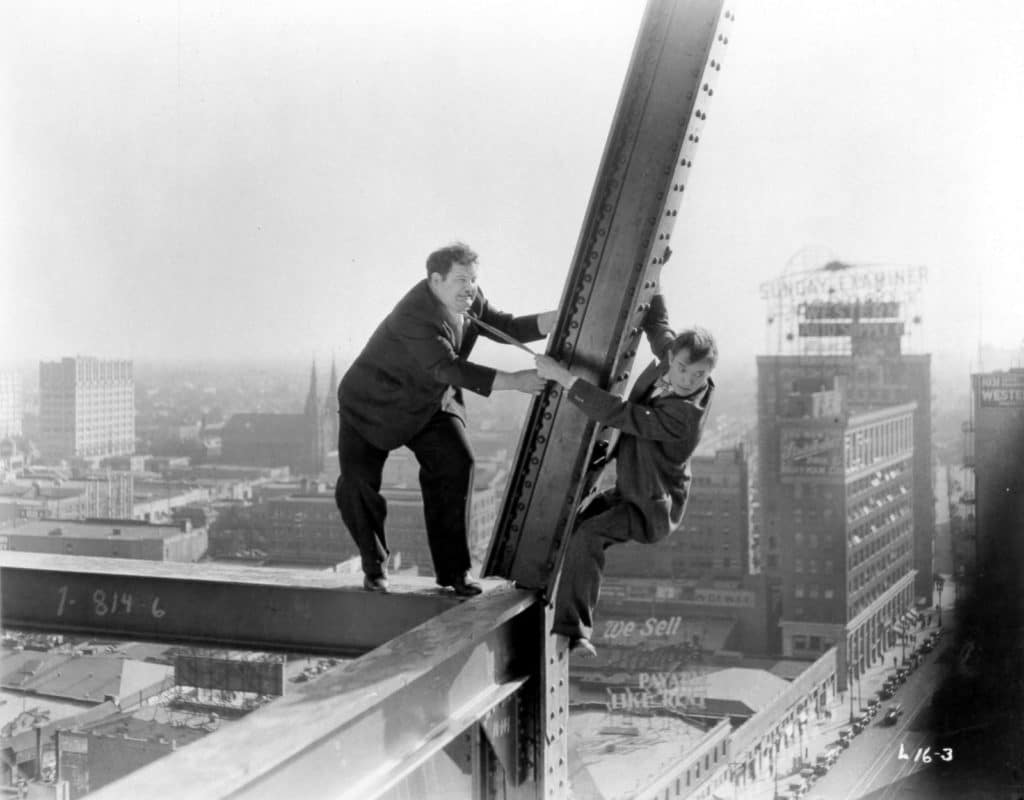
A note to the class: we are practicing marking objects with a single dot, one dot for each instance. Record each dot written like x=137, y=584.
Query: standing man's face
x=457, y=289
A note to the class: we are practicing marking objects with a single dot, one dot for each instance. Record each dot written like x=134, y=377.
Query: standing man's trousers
x=446, y=479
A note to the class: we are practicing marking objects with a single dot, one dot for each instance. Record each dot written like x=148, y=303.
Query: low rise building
x=107, y=539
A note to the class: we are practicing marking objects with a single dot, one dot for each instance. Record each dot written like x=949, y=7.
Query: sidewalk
x=819, y=733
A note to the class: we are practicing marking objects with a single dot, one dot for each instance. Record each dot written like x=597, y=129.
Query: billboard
x=857, y=309
x=1001, y=389
x=811, y=452
x=264, y=677
x=855, y=330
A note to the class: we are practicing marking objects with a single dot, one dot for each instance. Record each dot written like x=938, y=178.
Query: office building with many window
x=86, y=408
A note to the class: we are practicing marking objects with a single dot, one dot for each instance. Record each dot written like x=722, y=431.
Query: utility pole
x=849, y=686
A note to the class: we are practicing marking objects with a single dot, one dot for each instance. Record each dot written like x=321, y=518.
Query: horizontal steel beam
x=359, y=729
x=212, y=604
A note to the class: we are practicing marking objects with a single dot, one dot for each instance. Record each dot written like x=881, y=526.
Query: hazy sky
x=265, y=179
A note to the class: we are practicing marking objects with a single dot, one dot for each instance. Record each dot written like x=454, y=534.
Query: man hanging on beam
x=405, y=389
x=660, y=426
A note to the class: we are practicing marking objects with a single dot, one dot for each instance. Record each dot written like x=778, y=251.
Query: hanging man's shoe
x=464, y=587
x=582, y=646
x=375, y=583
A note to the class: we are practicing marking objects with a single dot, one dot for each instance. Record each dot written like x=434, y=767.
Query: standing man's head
x=451, y=275
x=692, y=356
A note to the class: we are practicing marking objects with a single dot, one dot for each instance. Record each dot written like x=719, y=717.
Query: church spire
x=331, y=400
x=312, y=401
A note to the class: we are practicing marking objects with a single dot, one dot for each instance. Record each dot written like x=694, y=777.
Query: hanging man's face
x=457, y=289
x=685, y=376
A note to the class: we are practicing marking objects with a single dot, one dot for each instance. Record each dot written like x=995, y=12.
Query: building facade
x=86, y=408
x=907, y=380
x=714, y=538
x=12, y=404
x=838, y=499
x=301, y=442
x=997, y=430
x=108, y=539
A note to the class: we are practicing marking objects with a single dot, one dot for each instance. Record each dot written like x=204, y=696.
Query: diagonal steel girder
x=615, y=270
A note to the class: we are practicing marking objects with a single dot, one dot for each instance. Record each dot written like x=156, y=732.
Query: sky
x=186, y=179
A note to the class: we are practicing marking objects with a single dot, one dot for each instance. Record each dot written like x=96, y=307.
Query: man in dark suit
x=405, y=388
x=659, y=427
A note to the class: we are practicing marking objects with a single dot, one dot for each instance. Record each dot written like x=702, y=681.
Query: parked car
x=892, y=714
x=886, y=692
x=820, y=768
x=864, y=718
x=927, y=646
x=873, y=706
x=845, y=736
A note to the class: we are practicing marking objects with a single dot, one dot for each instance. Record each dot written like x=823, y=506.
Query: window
x=798, y=565
x=798, y=590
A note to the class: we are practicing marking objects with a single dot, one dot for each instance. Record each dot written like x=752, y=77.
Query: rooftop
x=615, y=755
x=88, y=679
x=71, y=529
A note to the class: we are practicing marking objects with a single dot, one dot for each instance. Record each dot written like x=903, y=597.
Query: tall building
x=998, y=461
x=713, y=540
x=856, y=324
x=842, y=501
x=86, y=408
x=11, y=403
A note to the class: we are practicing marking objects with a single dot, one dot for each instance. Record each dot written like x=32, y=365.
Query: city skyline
x=190, y=181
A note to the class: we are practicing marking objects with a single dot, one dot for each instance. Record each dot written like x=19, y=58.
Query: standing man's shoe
x=464, y=587
x=375, y=583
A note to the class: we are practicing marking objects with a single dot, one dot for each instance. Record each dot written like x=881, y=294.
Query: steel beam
x=621, y=250
x=358, y=730
x=212, y=604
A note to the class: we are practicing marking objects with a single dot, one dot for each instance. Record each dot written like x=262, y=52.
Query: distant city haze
x=195, y=180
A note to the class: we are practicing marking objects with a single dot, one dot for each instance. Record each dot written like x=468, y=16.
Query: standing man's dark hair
x=443, y=259
x=405, y=388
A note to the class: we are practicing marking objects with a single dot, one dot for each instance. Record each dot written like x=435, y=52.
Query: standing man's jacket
x=657, y=437
x=414, y=365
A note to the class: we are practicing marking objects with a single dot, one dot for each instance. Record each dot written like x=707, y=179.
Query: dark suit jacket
x=415, y=364
x=657, y=437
